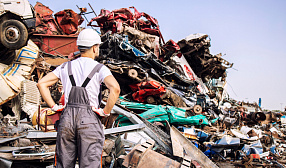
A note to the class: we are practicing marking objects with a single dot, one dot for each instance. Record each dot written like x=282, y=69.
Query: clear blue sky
x=251, y=33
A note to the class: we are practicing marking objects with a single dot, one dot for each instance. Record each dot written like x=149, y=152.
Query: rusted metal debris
x=63, y=22
x=56, y=35
x=174, y=110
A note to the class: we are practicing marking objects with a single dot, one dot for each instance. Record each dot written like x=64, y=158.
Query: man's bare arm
x=44, y=85
x=114, y=90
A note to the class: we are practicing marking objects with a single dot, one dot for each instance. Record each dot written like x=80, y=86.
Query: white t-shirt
x=81, y=67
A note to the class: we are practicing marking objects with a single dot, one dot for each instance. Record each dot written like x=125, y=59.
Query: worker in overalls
x=80, y=132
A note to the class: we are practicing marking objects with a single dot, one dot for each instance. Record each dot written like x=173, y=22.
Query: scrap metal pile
x=173, y=110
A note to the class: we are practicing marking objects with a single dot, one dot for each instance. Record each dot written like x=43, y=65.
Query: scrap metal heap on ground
x=173, y=111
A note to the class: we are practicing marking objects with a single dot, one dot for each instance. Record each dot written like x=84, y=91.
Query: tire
x=14, y=34
x=197, y=109
x=7, y=55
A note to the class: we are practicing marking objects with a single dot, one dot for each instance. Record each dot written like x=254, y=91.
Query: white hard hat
x=227, y=105
x=87, y=38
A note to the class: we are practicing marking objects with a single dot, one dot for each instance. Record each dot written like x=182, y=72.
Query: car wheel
x=198, y=109
x=14, y=34
x=7, y=55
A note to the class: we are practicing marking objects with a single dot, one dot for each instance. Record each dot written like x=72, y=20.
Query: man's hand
x=44, y=85
x=114, y=90
x=57, y=107
x=100, y=112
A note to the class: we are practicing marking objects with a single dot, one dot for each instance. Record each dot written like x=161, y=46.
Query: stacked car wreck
x=173, y=111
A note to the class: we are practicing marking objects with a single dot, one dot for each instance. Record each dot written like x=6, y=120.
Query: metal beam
x=130, y=128
x=41, y=135
x=3, y=140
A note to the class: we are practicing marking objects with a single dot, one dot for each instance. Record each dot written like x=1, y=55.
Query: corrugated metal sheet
x=30, y=97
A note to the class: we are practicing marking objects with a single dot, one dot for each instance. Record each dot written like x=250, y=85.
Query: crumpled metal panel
x=141, y=40
x=191, y=150
x=12, y=75
x=130, y=69
x=113, y=21
x=141, y=156
x=207, y=66
x=145, y=89
x=189, y=73
x=4, y=163
x=68, y=21
x=42, y=10
x=45, y=23
x=65, y=22
x=21, y=67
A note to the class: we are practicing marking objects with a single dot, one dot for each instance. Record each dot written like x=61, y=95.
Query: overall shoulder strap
x=70, y=74
x=95, y=69
x=63, y=65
